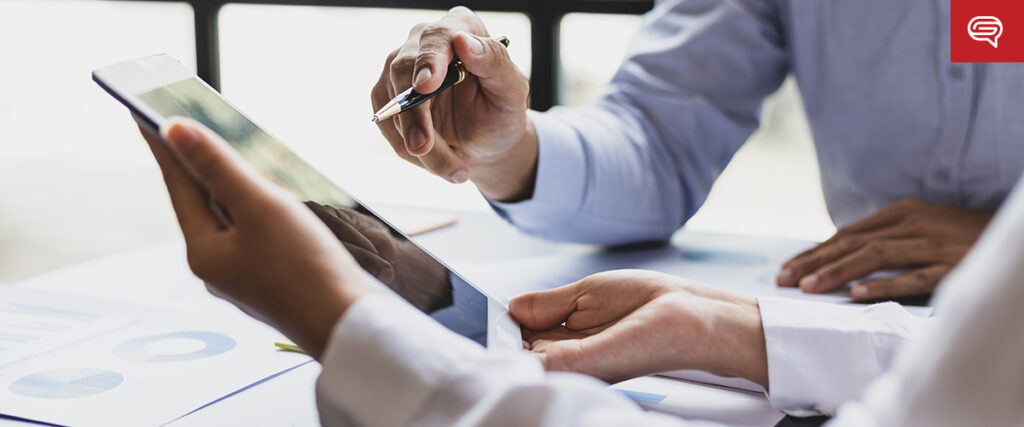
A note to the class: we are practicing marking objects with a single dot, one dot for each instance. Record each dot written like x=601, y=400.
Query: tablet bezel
x=127, y=80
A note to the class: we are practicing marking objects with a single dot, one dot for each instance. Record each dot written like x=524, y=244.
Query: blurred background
x=77, y=181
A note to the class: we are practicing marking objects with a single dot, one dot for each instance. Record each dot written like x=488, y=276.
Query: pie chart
x=723, y=257
x=175, y=346
x=66, y=383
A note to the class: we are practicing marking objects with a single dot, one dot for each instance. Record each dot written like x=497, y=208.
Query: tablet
x=159, y=87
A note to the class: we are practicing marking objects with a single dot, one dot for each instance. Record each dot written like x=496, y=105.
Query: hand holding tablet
x=271, y=239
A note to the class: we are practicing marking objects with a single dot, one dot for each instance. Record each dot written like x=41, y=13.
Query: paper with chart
x=696, y=401
x=74, y=360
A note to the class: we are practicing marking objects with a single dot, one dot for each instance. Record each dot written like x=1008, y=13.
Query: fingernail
x=859, y=292
x=460, y=176
x=785, y=277
x=422, y=76
x=475, y=46
x=809, y=283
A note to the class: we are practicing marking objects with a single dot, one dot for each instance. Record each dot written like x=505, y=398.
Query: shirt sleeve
x=387, y=364
x=821, y=355
x=966, y=369
x=640, y=161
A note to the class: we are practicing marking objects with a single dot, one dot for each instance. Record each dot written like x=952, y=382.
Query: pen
x=409, y=99
x=287, y=346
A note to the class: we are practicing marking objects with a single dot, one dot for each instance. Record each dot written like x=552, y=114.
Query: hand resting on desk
x=927, y=239
x=623, y=324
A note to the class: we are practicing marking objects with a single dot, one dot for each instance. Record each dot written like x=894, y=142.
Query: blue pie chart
x=194, y=345
x=710, y=256
x=66, y=383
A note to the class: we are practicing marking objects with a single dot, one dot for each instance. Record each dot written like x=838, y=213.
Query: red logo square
x=986, y=31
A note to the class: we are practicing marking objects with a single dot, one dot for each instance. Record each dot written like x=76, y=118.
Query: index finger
x=435, y=47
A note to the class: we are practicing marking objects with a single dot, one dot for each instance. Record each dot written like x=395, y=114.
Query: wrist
x=309, y=322
x=737, y=342
x=510, y=176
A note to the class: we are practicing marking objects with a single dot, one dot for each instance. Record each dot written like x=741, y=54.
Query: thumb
x=215, y=164
x=488, y=60
x=544, y=309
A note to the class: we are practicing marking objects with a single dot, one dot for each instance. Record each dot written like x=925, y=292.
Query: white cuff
x=381, y=369
x=561, y=177
x=821, y=355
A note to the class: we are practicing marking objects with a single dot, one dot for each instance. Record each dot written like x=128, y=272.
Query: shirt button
x=956, y=72
x=942, y=174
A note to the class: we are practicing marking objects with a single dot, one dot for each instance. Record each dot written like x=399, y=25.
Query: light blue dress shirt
x=891, y=116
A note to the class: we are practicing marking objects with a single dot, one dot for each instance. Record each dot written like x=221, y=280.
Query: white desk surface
x=480, y=244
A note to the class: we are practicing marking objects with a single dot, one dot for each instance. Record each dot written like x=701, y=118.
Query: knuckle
x=433, y=32
x=498, y=51
x=920, y=278
x=915, y=225
x=797, y=266
x=832, y=271
x=402, y=62
x=461, y=11
x=425, y=57
x=198, y=263
x=876, y=249
x=850, y=242
x=907, y=204
x=417, y=29
x=523, y=81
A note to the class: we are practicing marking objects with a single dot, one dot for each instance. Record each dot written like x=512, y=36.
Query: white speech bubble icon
x=985, y=29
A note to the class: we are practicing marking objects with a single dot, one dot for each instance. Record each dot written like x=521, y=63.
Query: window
x=71, y=155
x=305, y=73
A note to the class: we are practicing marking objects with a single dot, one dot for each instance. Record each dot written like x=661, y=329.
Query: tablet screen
x=381, y=250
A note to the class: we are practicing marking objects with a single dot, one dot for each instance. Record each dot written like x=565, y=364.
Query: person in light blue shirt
x=916, y=152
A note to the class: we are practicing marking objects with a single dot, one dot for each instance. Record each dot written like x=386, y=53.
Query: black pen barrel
x=454, y=76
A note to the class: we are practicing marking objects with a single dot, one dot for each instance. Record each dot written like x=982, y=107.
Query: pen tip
x=374, y=119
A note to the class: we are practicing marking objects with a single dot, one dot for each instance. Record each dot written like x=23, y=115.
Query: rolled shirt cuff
x=821, y=355
x=374, y=351
x=561, y=177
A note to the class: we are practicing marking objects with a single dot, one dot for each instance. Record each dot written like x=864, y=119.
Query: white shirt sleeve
x=821, y=355
x=387, y=364
x=967, y=369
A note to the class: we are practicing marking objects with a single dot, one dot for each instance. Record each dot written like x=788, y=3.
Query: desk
x=289, y=398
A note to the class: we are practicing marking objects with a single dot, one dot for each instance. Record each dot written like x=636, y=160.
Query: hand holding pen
x=474, y=130
x=410, y=99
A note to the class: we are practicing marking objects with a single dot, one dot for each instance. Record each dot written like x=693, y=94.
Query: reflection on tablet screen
x=380, y=249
